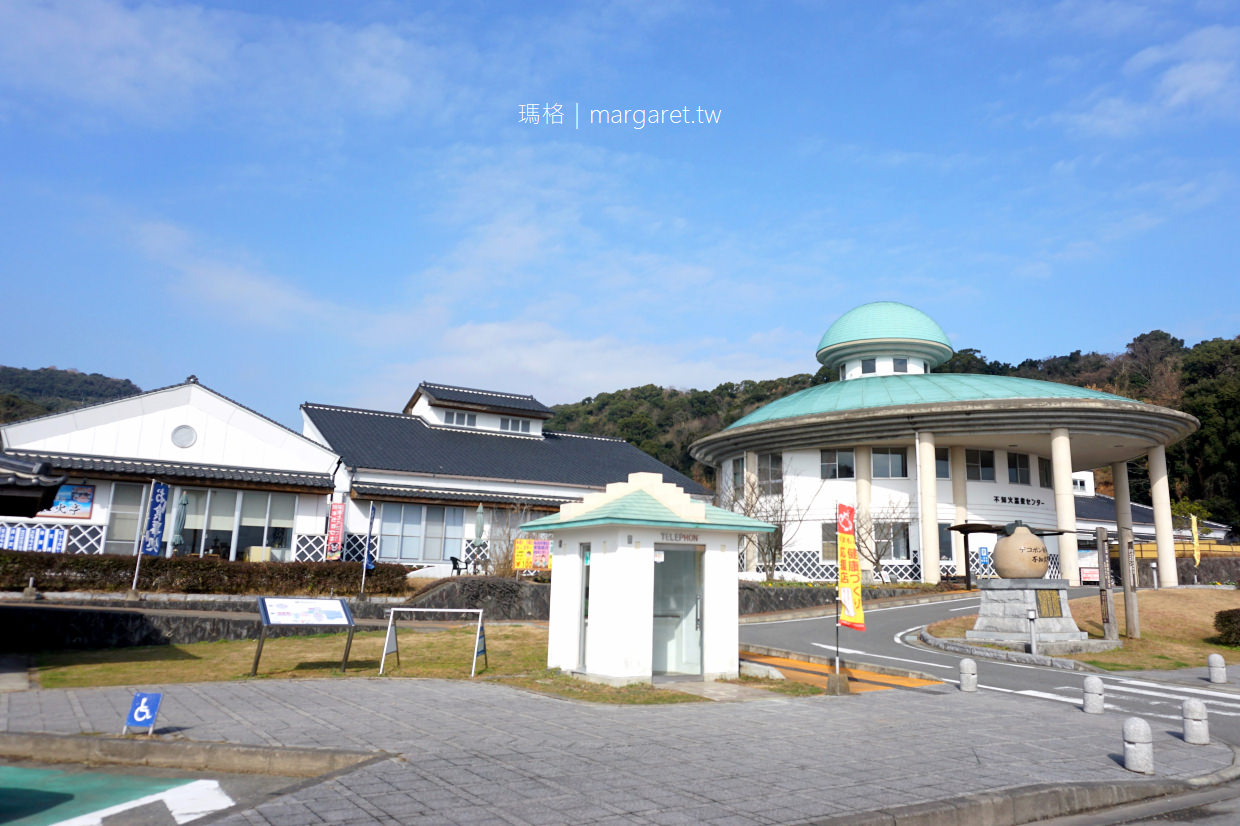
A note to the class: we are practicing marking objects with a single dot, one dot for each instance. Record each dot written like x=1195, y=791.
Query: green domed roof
x=884, y=327
x=927, y=388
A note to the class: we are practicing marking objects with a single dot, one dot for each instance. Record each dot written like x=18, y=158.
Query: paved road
x=479, y=753
x=889, y=639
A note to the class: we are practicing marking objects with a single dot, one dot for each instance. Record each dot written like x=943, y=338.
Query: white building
x=917, y=452
x=251, y=486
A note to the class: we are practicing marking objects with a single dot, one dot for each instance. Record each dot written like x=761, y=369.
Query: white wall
x=141, y=428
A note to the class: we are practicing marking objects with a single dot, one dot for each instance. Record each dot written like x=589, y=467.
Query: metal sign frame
x=268, y=622
x=480, y=640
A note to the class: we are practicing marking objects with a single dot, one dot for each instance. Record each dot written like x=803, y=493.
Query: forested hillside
x=28, y=393
x=1155, y=367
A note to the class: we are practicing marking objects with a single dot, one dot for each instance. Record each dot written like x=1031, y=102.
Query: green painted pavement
x=41, y=797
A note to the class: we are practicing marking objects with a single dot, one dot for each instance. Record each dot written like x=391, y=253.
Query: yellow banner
x=850, y=610
x=1196, y=545
x=531, y=555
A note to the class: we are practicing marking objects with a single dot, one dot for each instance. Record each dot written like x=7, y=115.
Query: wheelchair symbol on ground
x=143, y=711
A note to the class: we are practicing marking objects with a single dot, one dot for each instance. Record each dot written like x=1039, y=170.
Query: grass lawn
x=1176, y=628
x=517, y=655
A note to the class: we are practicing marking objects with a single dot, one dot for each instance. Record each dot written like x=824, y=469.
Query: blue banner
x=152, y=537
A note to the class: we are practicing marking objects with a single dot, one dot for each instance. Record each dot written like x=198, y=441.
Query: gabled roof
x=181, y=471
x=1101, y=508
x=377, y=440
x=486, y=400
x=414, y=493
x=646, y=501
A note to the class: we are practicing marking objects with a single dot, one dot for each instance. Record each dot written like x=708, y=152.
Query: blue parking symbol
x=144, y=710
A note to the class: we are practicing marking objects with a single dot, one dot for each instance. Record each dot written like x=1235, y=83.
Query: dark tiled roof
x=393, y=441
x=27, y=486
x=363, y=490
x=188, y=471
x=443, y=394
x=1101, y=508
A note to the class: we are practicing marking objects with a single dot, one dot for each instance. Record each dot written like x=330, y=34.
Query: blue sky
x=334, y=201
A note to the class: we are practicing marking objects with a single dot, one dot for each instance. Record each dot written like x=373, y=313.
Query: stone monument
x=1021, y=560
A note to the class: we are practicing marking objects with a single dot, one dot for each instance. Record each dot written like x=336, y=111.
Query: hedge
x=1227, y=624
x=191, y=575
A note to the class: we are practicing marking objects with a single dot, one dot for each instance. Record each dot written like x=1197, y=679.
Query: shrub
x=191, y=575
x=1227, y=623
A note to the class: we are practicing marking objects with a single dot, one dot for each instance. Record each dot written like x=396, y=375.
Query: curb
x=829, y=610
x=1018, y=657
x=190, y=756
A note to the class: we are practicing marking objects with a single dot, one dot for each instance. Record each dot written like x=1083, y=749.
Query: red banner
x=850, y=611
x=335, y=531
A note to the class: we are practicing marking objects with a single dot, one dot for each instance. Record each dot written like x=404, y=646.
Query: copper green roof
x=884, y=327
x=930, y=388
x=640, y=508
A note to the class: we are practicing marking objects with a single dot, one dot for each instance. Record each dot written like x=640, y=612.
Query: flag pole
x=370, y=527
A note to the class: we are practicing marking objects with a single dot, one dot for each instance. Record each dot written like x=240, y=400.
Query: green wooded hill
x=25, y=394
x=1155, y=367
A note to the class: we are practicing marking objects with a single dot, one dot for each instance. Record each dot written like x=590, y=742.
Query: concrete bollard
x=1138, y=746
x=1218, y=668
x=1093, y=695
x=968, y=675
x=1196, y=726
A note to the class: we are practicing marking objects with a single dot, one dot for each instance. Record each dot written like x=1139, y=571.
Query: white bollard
x=1218, y=668
x=1138, y=746
x=1196, y=726
x=968, y=675
x=1093, y=695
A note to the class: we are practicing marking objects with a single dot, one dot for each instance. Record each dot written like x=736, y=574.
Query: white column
x=865, y=476
x=1065, y=504
x=1164, y=538
x=960, y=498
x=928, y=504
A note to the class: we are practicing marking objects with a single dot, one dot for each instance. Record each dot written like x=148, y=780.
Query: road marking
x=186, y=803
x=1230, y=695
x=867, y=610
x=1169, y=693
x=1048, y=696
x=880, y=656
x=965, y=608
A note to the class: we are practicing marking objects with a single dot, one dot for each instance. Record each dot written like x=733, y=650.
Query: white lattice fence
x=85, y=539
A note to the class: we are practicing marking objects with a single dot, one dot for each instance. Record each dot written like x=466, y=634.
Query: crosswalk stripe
x=1229, y=695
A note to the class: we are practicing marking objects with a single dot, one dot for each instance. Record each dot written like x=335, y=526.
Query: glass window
x=195, y=523
x=1045, y=476
x=770, y=473
x=837, y=464
x=979, y=465
x=253, y=529
x=890, y=462
x=868, y=366
x=942, y=463
x=460, y=419
x=514, y=425
x=899, y=365
x=945, y=542
x=891, y=539
x=411, y=532
x=124, y=515
x=221, y=518
x=738, y=476
x=830, y=540
x=280, y=520
x=842, y=372
x=1018, y=469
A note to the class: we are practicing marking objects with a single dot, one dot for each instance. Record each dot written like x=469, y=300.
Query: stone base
x=1003, y=617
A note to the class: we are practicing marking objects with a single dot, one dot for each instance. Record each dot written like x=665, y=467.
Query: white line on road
x=1230, y=695
x=868, y=611
x=965, y=608
x=880, y=656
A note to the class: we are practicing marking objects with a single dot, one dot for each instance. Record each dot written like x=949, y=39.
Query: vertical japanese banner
x=335, y=531
x=152, y=537
x=851, y=613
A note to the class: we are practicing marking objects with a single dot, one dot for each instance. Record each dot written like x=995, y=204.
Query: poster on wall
x=531, y=555
x=71, y=502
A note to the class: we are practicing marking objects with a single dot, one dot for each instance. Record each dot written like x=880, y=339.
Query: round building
x=916, y=452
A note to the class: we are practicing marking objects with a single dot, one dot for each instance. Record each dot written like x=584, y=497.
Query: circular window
x=184, y=436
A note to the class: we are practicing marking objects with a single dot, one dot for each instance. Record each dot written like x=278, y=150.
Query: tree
x=770, y=502
x=505, y=531
x=879, y=532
